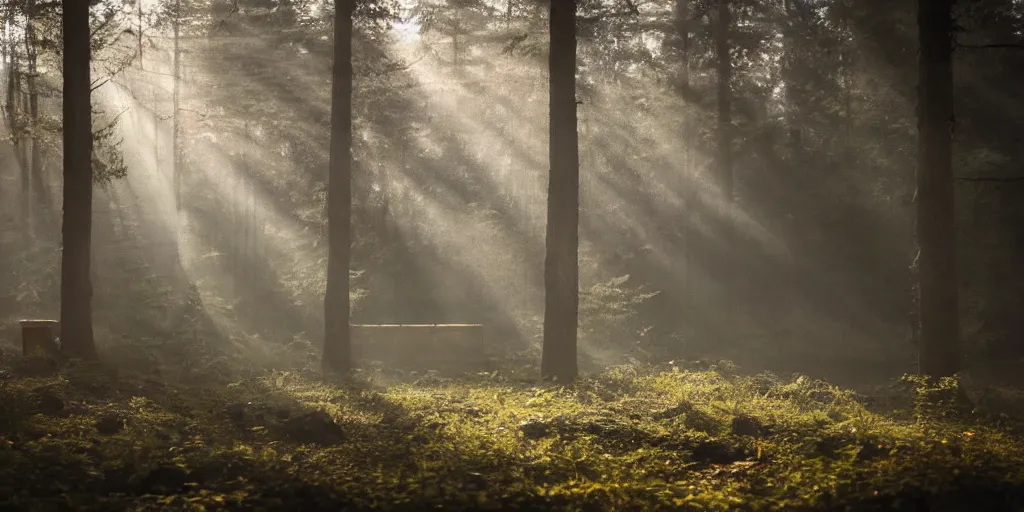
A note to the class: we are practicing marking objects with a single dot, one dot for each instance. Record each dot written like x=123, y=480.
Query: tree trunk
x=939, y=348
x=156, y=129
x=18, y=127
x=12, y=74
x=175, y=158
x=33, y=99
x=687, y=186
x=724, y=99
x=14, y=110
x=76, y=286
x=337, y=351
x=561, y=265
x=682, y=14
x=725, y=153
x=795, y=81
x=24, y=138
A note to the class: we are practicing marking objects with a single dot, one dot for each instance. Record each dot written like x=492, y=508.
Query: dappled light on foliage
x=680, y=437
x=794, y=280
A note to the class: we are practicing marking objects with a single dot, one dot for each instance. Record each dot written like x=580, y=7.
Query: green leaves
x=629, y=438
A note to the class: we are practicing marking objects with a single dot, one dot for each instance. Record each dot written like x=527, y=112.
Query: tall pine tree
x=561, y=264
x=76, y=257
x=938, y=309
x=337, y=351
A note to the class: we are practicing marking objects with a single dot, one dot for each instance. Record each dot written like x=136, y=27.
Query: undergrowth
x=228, y=436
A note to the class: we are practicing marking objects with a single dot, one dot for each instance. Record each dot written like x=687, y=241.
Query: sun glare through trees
x=511, y=254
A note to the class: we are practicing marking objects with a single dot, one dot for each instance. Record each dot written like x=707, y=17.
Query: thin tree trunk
x=3, y=45
x=337, y=350
x=16, y=116
x=940, y=353
x=33, y=97
x=561, y=265
x=725, y=166
x=683, y=33
x=15, y=110
x=724, y=99
x=25, y=138
x=795, y=84
x=12, y=67
x=156, y=130
x=76, y=257
x=686, y=186
x=175, y=160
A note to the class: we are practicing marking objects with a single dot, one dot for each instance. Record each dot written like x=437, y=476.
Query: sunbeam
x=511, y=254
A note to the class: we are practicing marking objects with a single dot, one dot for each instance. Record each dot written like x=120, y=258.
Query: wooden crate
x=38, y=337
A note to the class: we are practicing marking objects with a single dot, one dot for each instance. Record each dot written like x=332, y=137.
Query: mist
x=753, y=225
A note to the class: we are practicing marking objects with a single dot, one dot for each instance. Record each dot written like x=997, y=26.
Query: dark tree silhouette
x=337, y=352
x=76, y=285
x=939, y=342
x=561, y=264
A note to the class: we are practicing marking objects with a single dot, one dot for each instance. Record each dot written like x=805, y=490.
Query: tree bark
x=76, y=284
x=561, y=265
x=24, y=137
x=33, y=98
x=687, y=186
x=337, y=350
x=939, y=343
x=17, y=124
x=795, y=81
x=724, y=157
x=176, y=159
x=682, y=15
x=724, y=99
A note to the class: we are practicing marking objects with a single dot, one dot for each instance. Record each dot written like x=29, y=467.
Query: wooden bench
x=446, y=348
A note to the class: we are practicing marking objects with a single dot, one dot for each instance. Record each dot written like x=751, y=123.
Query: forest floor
x=217, y=436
